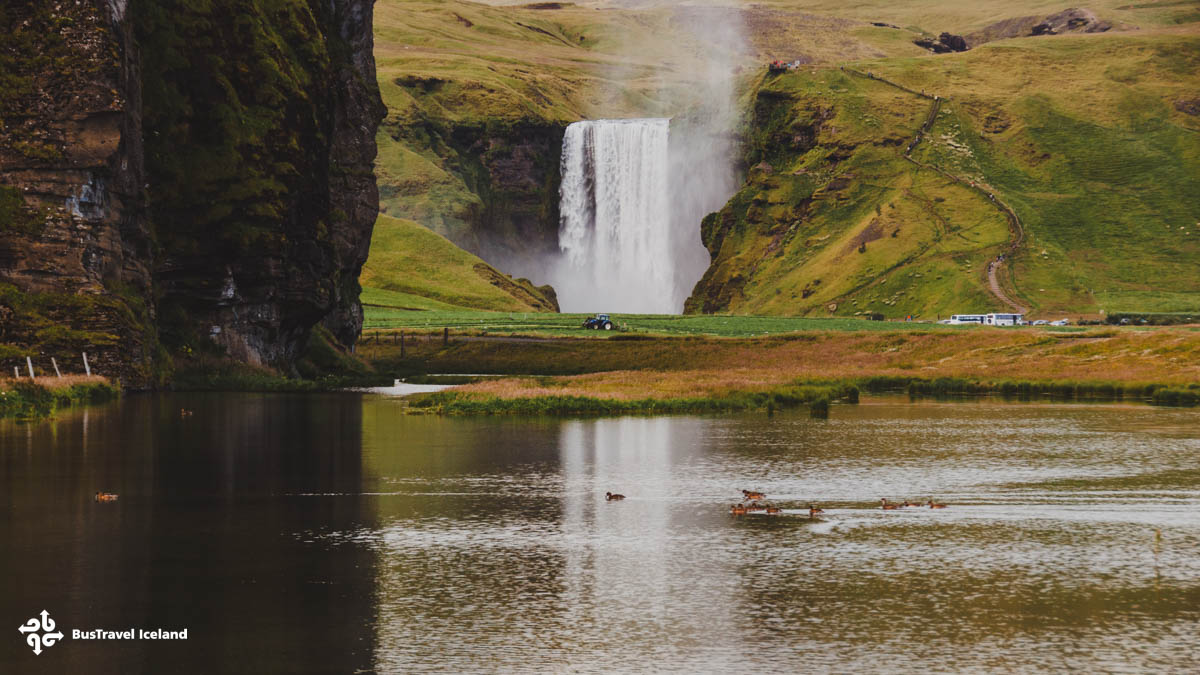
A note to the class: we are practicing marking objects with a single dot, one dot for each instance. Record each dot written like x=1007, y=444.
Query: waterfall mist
x=634, y=191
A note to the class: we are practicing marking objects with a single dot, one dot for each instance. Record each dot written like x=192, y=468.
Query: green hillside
x=411, y=268
x=1087, y=139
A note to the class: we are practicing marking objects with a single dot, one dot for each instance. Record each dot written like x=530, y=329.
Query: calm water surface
x=334, y=534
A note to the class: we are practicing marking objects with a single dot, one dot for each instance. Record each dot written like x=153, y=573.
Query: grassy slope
x=792, y=236
x=411, y=267
x=1079, y=134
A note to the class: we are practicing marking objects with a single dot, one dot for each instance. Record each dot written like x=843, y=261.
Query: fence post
x=16, y=372
x=401, y=344
x=56, y=370
x=86, y=367
x=445, y=336
x=29, y=363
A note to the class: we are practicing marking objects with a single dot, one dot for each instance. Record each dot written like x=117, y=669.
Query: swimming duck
x=748, y=495
x=814, y=510
x=774, y=510
x=886, y=506
x=737, y=510
x=908, y=503
x=610, y=497
x=755, y=507
x=932, y=505
x=106, y=496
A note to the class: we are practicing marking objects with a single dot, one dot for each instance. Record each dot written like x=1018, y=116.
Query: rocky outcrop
x=1074, y=20
x=75, y=249
x=199, y=173
x=945, y=43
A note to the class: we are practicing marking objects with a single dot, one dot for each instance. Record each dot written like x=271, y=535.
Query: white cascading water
x=615, y=232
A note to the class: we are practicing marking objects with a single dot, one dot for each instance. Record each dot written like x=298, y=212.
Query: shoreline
x=40, y=399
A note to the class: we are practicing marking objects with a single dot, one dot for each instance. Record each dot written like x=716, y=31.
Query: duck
x=755, y=507
x=916, y=504
x=933, y=505
x=106, y=496
x=886, y=506
x=774, y=510
x=749, y=495
x=814, y=510
x=610, y=497
x=737, y=510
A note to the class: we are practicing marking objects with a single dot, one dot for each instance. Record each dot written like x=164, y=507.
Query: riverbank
x=34, y=399
x=571, y=376
x=816, y=396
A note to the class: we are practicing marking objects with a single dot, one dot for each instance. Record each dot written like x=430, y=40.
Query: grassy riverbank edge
x=817, y=397
x=26, y=399
x=1154, y=393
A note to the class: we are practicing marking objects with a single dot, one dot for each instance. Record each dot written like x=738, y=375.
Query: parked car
x=1041, y=322
x=1061, y=322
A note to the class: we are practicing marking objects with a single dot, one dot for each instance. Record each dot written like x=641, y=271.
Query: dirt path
x=1016, y=230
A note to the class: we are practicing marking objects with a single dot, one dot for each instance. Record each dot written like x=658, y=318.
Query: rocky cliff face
x=74, y=239
x=261, y=120
x=199, y=173
x=353, y=189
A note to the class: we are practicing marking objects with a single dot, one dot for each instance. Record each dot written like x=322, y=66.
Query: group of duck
x=755, y=502
x=891, y=506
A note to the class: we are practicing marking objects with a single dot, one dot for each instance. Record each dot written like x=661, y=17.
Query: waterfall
x=615, y=229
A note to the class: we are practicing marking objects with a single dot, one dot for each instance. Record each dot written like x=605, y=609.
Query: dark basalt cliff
x=198, y=174
x=75, y=247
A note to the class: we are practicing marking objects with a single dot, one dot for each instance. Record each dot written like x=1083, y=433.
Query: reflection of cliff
x=227, y=527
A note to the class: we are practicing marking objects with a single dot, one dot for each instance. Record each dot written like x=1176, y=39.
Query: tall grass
x=26, y=399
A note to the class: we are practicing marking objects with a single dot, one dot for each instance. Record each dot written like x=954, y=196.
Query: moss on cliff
x=233, y=99
x=260, y=128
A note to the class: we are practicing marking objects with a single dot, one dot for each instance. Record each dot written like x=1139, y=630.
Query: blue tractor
x=598, y=322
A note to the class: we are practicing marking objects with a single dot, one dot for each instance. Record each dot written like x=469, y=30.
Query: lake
x=332, y=533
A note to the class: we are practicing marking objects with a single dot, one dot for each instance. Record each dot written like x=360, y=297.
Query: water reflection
x=344, y=535
x=202, y=538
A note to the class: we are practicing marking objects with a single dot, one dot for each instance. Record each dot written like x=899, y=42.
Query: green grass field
x=386, y=320
x=411, y=267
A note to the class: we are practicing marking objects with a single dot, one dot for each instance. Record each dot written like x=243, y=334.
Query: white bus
x=1004, y=320
x=960, y=319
